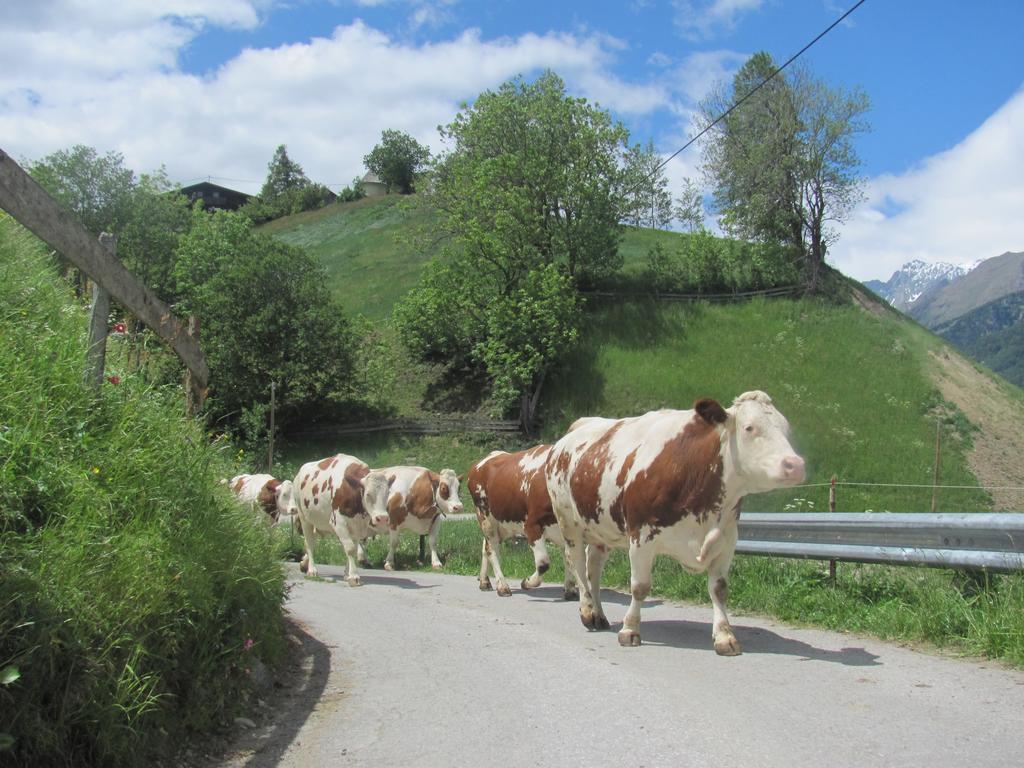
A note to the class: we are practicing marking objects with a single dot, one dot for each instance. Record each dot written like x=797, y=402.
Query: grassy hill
x=857, y=385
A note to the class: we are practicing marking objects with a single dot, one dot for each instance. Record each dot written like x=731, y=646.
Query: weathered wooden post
x=935, y=472
x=832, y=508
x=195, y=393
x=270, y=447
x=96, y=356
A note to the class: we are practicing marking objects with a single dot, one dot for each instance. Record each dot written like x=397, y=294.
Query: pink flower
x=248, y=644
x=115, y=379
x=118, y=327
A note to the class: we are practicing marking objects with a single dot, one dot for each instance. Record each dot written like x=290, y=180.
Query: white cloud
x=328, y=99
x=700, y=19
x=958, y=206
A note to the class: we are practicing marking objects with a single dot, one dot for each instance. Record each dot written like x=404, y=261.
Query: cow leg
x=361, y=555
x=597, y=556
x=641, y=560
x=569, y=589
x=725, y=641
x=389, y=563
x=309, y=539
x=485, y=583
x=435, y=561
x=351, y=552
x=541, y=563
x=493, y=543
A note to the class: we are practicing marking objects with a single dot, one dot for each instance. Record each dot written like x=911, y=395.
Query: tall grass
x=134, y=594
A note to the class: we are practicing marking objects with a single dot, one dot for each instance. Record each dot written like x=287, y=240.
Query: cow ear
x=391, y=480
x=710, y=410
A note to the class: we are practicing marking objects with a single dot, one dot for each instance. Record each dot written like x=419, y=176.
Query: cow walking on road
x=510, y=493
x=340, y=496
x=263, y=492
x=416, y=501
x=668, y=482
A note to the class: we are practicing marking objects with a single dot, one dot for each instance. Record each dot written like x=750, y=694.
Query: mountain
x=990, y=280
x=915, y=279
x=993, y=334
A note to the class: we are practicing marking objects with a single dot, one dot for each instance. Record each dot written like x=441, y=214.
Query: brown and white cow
x=339, y=495
x=510, y=493
x=263, y=492
x=417, y=500
x=668, y=482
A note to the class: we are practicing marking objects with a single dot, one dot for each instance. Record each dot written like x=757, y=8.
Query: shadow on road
x=306, y=678
x=553, y=593
x=374, y=578
x=693, y=634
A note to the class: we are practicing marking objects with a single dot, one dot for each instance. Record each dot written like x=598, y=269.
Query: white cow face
x=447, y=494
x=375, y=487
x=285, y=497
x=759, y=444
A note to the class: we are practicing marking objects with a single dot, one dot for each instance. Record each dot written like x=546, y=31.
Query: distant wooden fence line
x=439, y=425
x=30, y=205
x=767, y=293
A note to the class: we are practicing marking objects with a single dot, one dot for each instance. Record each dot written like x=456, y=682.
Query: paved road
x=419, y=669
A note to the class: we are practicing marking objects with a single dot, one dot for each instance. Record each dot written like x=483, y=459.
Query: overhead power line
x=756, y=88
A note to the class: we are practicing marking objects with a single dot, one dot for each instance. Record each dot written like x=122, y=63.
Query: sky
x=209, y=88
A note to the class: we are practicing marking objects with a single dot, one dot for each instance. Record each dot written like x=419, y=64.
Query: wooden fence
x=29, y=203
x=767, y=293
x=438, y=425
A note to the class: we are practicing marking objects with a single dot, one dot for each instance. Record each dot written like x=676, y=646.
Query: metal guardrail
x=988, y=541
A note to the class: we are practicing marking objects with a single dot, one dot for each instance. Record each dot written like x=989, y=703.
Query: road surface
x=422, y=669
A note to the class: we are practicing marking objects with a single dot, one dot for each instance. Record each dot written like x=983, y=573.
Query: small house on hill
x=373, y=186
x=215, y=196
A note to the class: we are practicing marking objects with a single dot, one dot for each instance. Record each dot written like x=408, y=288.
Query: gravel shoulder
x=423, y=669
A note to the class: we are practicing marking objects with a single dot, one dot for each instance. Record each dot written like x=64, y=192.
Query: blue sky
x=211, y=87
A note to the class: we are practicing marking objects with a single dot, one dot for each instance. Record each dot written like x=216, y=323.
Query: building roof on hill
x=371, y=178
x=215, y=196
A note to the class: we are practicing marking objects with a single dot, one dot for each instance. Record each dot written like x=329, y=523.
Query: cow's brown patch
x=585, y=481
x=616, y=509
x=305, y=479
x=420, y=502
x=267, y=497
x=396, y=510
x=327, y=463
x=316, y=490
x=685, y=478
x=237, y=487
x=444, y=491
x=348, y=496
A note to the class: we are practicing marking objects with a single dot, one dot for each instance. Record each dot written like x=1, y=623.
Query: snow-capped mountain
x=916, y=278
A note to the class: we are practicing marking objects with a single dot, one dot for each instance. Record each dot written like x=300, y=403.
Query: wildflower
x=115, y=379
x=95, y=470
x=248, y=644
x=119, y=328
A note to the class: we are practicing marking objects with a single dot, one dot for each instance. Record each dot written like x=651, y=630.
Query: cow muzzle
x=793, y=469
x=380, y=521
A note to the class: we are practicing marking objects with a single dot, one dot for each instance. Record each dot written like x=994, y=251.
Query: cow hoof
x=629, y=639
x=485, y=585
x=571, y=595
x=504, y=590
x=354, y=581
x=727, y=645
x=437, y=566
x=594, y=621
x=304, y=563
x=525, y=584
x=311, y=573
x=389, y=566
x=602, y=623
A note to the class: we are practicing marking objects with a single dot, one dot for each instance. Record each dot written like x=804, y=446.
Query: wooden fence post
x=270, y=447
x=832, y=508
x=96, y=356
x=195, y=392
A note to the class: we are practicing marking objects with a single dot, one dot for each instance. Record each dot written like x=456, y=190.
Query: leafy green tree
x=782, y=165
x=528, y=199
x=96, y=188
x=158, y=218
x=284, y=176
x=266, y=316
x=398, y=160
x=647, y=199
x=689, y=206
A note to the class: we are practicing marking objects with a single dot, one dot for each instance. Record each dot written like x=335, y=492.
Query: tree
x=96, y=188
x=647, y=199
x=284, y=175
x=266, y=317
x=689, y=208
x=528, y=201
x=397, y=160
x=782, y=165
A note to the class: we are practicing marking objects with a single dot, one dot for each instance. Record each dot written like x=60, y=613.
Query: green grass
x=918, y=605
x=131, y=584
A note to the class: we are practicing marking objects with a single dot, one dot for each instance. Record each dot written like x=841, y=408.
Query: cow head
x=374, y=488
x=758, y=440
x=284, y=497
x=446, y=496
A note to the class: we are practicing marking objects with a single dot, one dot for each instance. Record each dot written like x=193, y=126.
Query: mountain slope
x=992, y=334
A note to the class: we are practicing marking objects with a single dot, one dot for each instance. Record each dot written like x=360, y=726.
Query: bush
x=134, y=594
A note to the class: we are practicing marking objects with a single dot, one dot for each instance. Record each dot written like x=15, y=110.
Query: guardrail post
x=832, y=508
